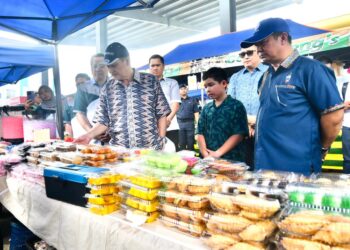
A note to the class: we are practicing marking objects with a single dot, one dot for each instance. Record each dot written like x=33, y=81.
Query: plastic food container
x=103, y=199
x=138, y=191
x=189, y=184
x=166, y=161
x=103, y=189
x=194, y=229
x=315, y=227
x=104, y=179
x=143, y=205
x=182, y=214
x=49, y=156
x=233, y=170
x=102, y=209
x=65, y=147
x=70, y=158
x=194, y=202
x=145, y=181
x=137, y=216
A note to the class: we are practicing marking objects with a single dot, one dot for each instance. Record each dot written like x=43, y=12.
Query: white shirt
x=171, y=91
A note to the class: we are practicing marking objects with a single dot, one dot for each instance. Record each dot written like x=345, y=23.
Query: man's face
x=269, y=49
x=99, y=69
x=250, y=57
x=156, y=67
x=80, y=80
x=214, y=88
x=183, y=91
x=119, y=69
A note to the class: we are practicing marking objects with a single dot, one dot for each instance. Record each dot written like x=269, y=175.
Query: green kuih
x=296, y=196
x=345, y=202
x=329, y=200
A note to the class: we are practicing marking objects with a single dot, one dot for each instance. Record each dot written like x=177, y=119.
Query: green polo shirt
x=217, y=124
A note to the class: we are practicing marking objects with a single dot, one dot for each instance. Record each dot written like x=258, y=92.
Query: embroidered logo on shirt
x=288, y=77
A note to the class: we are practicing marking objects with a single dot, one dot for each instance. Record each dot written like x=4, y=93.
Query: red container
x=12, y=127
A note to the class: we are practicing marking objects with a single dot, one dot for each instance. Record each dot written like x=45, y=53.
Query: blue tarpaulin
x=227, y=43
x=55, y=19
x=19, y=60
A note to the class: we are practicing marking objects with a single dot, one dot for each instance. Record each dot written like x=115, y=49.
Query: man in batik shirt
x=132, y=105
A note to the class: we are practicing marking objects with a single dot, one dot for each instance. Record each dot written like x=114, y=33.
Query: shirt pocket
x=285, y=94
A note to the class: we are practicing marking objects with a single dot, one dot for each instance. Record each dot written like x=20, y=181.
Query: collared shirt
x=185, y=115
x=87, y=93
x=171, y=91
x=217, y=124
x=292, y=100
x=132, y=112
x=244, y=87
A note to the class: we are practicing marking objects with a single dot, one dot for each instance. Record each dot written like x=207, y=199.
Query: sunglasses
x=248, y=53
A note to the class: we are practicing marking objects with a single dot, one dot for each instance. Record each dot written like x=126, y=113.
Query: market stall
x=143, y=199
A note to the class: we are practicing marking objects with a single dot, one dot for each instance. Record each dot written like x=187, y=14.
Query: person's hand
x=28, y=104
x=214, y=154
x=84, y=139
x=104, y=137
x=346, y=105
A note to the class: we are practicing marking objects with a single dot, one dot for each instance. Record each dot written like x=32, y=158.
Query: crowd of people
x=282, y=111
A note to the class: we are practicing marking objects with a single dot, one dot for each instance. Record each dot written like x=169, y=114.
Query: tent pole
x=56, y=77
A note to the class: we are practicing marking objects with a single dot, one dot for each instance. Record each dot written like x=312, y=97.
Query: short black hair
x=218, y=74
x=96, y=55
x=324, y=59
x=156, y=56
x=45, y=88
x=82, y=75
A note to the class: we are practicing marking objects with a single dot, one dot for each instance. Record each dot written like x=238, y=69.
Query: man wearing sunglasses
x=300, y=110
x=244, y=87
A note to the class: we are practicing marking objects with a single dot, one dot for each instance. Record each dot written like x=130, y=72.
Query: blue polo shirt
x=292, y=100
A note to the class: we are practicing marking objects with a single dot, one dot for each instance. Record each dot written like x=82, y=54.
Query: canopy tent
x=227, y=43
x=19, y=60
x=51, y=20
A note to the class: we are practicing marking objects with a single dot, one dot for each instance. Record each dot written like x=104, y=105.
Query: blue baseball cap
x=266, y=28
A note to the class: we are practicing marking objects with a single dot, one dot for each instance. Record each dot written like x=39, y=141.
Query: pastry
x=334, y=233
x=244, y=246
x=253, y=216
x=223, y=204
x=258, y=232
x=304, y=224
x=198, y=189
x=257, y=205
x=299, y=244
x=228, y=223
x=203, y=203
x=219, y=241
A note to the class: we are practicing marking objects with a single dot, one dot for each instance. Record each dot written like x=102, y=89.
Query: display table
x=71, y=227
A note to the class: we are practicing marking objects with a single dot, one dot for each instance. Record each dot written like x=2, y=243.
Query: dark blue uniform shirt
x=292, y=100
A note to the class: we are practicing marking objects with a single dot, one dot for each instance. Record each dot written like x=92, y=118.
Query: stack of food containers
x=98, y=156
x=103, y=197
x=184, y=203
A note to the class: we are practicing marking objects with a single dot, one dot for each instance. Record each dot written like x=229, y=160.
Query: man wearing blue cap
x=300, y=110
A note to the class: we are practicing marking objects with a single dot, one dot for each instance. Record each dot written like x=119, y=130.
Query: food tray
x=188, y=184
x=145, y=181
x=106, y=178
x=195, y=202
x=183, y=214
x=65, y=147
x=102, y=209
x=103, y=189
x=143, y=205
x=193, y=229
x=234, y=170
x=135, y=215
x=70, y=158
x=138, y=191
x=103, y=199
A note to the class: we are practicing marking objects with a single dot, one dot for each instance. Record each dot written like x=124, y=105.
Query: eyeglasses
x=248, y=53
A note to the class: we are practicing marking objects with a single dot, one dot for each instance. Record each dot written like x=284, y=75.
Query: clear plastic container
x=137, y=216
x=49, y=156
x=194, y=202
x=315, y=226
x=194, y=229
x=70, y=158
x=107, y=178
x=65, y=147
x=138, y=191
x=143, y=205
x=103, y=189
x=145, y=181
x=182, y=214
x=234, y=170
x=103, y=209
x=103, y=199
x=189, y=184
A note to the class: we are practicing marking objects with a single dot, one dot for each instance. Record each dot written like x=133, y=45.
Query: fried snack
x=198, y=204
x=169, y=211
x=198, y=189
x=305, y=224
x=258, y=232
x=219, y=242
x=254, y=216
x=228, y=223
x=257, y=205
x=223, y=204
x=216, y=231
x=244, y=246
x=334, y=233
x=341, y=247
x=299, y=244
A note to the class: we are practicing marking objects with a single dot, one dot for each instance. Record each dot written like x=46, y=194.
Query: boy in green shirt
x=223, y=123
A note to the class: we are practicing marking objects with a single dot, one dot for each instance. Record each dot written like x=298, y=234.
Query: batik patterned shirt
x=132, y=112
x=217, y=124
